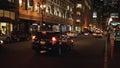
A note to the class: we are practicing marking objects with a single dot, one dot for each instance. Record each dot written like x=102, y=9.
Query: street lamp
x=42, y=7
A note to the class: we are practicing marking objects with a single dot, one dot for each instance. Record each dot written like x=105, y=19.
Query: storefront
x=7, y=18
x=27, y=25
x=6, y=28
x=34, y=27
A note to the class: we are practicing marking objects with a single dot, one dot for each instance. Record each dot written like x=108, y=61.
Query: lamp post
x=42, y=7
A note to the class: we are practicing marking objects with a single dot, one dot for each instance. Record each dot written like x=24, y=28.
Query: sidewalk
x=113, y=55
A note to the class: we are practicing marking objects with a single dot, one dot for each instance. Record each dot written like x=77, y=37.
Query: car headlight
x=1, y=41
x=72, y=41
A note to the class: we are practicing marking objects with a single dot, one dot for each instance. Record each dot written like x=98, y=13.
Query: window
x=30, y=5
x=12, y=1
x=20, y=2
x=6, y=13
x=78, y=13
x=68, y=7
x=78, y=20
x=1, y=13
x=37, y=7
x=30, y=2
x=79, y=6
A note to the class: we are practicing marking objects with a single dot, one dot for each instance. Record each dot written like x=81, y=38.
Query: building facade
x=106, y=9
x=82, y=14
x=7, y=16
x=28, y=15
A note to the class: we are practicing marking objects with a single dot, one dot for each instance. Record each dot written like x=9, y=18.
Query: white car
x=72, y=34
x=98, y=35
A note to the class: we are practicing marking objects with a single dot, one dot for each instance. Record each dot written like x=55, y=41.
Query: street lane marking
x=105, y=55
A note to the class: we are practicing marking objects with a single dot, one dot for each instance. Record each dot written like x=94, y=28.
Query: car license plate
x=42, y=42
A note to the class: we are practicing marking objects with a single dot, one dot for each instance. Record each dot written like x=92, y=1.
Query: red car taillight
x=54, y=40
x=34, y=38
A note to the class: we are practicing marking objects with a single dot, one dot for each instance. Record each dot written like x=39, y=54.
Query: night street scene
x=59, y=33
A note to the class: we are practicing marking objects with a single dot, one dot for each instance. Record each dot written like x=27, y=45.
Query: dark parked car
x=20, y=36
x=52, y=42
x=5, y=38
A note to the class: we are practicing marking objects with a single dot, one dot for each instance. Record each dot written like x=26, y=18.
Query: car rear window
x=48, y=35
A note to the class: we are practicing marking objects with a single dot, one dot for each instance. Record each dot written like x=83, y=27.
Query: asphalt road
x=88, y=52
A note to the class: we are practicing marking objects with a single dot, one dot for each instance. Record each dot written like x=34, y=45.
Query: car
x=20, y=36
x=5, y=38
x=72, y=33
x=97, y=35
x=86, y=33
x=53, y=42
x=117, y=39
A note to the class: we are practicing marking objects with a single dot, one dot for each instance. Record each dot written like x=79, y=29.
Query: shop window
x=37, y=7
x=3, y=28
x=20, y=2
x=30, y=2
x=68, y=7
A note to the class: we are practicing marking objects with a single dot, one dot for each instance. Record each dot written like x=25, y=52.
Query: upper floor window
x=79, y=6
x=30, y=2
x=68, y=7
x=77, y=20
x=20, y=2
x=12, y=1
x=78, y=13
x=30, y=5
